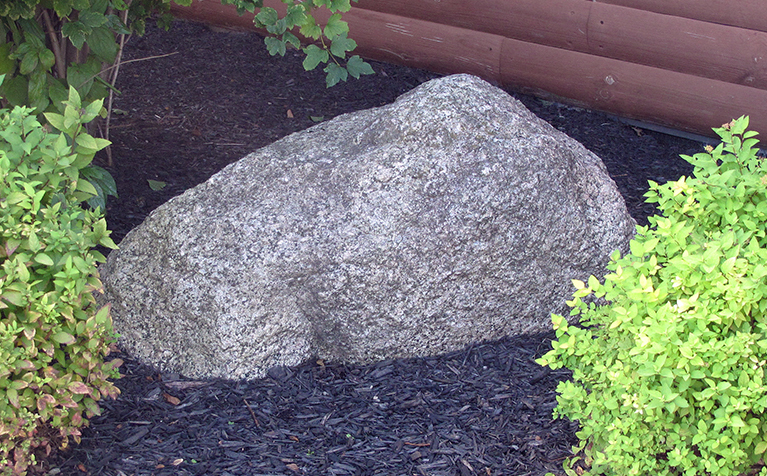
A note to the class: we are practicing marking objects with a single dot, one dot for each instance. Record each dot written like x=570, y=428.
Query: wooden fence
x=685, y=65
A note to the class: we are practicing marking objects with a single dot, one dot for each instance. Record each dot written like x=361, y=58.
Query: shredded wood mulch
x=483, y=411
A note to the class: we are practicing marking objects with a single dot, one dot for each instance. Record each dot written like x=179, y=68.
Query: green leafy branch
x=669, y=372
x=331, y=42
x=53, y=335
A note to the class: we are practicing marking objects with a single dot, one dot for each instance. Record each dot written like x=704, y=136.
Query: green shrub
x=53, y=338
x=668, y=367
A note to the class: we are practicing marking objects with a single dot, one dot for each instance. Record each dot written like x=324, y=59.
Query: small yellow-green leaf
x=33, y=242
x=102, y=316
x=63, y=337
x=87, y=187
x=43, y=259
x=107, y=242
x=18, y=384
x=728, y=264
x=56, y=120
x=14, y=297
x=87, y=141
x=23, y=272
x=13, y=397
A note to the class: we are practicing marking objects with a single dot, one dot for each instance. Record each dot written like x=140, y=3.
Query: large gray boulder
x=449, y=217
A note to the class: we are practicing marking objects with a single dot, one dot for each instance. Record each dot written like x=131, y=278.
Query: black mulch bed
x=486, y=410
x=482, y=411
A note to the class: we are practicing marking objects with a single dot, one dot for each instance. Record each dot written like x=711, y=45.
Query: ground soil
x=486, y=410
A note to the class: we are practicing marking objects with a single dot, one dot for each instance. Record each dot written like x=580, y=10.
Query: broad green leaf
x=100, y=6
x=310, y=29
x=335, y=27
x=102, y=43
x=29, y=62
x=101, y=178
x=81, y=76
x=38, y=91
x=278, y=28
x=314, y=56
x=77, y=32
x=292, y=39
x=295, y=16
x=728, y=264
x=116, y=25
x=341, y=44
x=357, y=66
x=267, y=16
x=335, y=74
x=92, y=19
x=7, y=65
x=275, y=46
x=81, y=4
x=47, y=59
x=58, y=93
x=15, y=90
x=62, y=9
x=340, y=5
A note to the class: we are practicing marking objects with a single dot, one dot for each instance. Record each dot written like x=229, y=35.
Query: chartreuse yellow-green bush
x=668, y=367
x=53, y=338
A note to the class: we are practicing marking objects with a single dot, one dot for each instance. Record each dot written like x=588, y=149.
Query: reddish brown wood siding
x=686, y=67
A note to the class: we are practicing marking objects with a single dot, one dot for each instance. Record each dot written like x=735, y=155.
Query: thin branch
x=125, y=62
x=133, y=61
x=55, y=45
x=113, y=81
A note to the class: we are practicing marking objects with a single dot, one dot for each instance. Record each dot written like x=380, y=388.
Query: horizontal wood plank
x=724, y=53
x=559, y=23
x=659, y=96
x=751, y=14
x=691, y=46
